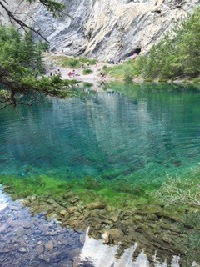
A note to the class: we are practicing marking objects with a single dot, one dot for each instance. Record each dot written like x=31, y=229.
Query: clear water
x=140, y=135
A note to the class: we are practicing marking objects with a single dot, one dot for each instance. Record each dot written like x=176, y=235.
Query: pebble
x=22, y=250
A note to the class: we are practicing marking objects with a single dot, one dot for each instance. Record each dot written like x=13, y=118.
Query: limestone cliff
x=106, y=29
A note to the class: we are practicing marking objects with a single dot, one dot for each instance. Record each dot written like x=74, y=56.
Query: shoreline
x=101, y=67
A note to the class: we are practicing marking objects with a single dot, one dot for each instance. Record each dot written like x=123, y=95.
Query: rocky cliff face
x=106, y=29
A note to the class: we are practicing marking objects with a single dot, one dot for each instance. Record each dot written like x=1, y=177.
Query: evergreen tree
x=176, y=56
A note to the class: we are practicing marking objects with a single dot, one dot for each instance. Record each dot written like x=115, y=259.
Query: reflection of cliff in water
x=99, y=254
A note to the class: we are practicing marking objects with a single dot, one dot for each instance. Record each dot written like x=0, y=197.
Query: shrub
x=128, y=77
x=162, y=80
x=86, y=71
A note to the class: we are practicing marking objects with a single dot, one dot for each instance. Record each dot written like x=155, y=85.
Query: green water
x=135, y=133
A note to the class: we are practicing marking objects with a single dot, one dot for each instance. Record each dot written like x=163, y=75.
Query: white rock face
x=106, y=29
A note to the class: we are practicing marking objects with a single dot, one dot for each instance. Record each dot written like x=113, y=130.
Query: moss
x=88, y=189
x=115, y=193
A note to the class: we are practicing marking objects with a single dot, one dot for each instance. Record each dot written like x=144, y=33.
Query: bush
x=162, y=80
x=128, y=77
x=86, y=71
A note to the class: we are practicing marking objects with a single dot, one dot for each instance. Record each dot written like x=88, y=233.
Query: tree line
x=178, y=54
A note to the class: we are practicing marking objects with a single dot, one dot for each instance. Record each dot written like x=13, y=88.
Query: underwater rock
x=63, y=212
x=22, y=250
x=72, y=209
x=97, y=205
x=49, y=245
x=153, y=227
x=75, y=200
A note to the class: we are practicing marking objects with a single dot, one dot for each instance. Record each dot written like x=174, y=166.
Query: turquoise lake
x=132, y=132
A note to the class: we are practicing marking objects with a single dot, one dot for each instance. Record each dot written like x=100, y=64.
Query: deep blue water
x=143, y=133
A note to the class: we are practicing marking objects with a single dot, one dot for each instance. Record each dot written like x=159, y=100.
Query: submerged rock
x=97, y=205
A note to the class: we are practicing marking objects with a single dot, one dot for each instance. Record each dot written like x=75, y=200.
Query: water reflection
x=99, y=254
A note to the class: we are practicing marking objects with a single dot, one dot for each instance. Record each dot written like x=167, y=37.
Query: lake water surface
x=139, y=135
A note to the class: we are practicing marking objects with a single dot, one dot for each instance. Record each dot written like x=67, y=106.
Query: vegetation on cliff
x=177, y=55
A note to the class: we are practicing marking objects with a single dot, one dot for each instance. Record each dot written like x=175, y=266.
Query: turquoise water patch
x=137, y=133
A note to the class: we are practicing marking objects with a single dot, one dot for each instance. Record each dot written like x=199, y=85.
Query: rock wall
x=106, y=29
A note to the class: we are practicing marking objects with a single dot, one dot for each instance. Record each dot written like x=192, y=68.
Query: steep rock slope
x=106, y=29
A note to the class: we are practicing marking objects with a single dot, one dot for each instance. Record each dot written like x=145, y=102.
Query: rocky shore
x=33, y=240
x=154, y=228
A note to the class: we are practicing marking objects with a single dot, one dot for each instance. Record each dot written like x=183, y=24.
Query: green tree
x=20, y=58
x=178, y=54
